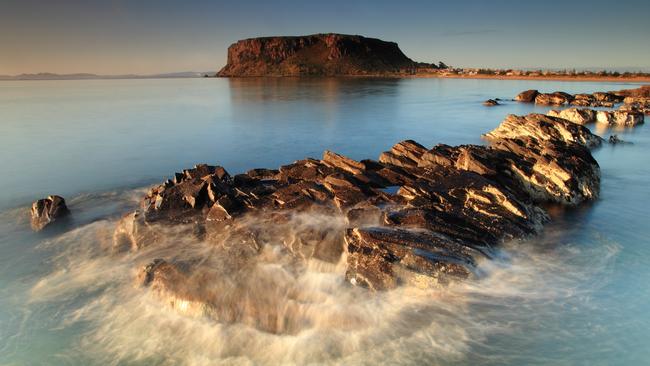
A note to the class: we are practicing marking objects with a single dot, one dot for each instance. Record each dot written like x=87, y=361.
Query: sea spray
x=309, y=314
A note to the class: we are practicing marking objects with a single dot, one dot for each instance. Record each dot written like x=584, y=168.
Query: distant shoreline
x=640, y=79
x=623, y=79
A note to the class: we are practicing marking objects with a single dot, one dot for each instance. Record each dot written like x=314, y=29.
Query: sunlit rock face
x=419, y=216
x=317, y=54
x=580, y=116
x=47, y=210
x=620, y=117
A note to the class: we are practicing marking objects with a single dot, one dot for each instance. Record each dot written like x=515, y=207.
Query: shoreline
x=639, y=79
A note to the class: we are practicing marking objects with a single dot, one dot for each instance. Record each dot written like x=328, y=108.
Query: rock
x=619, y=118
x=556, y=98
x=491, y=103
x=643, y=91
x=318, y=54
x=382, y=258
x=544, y=128
x=607, y=97
x=615, y=140
x=580, y=116
x=132, y=233
x=47, y=210
x=527, y=96
x=417, y=215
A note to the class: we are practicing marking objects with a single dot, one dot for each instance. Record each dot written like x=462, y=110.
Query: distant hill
x=318, y=55
x=87, y=76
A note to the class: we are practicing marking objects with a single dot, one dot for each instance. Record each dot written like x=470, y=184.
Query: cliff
x=316, y=55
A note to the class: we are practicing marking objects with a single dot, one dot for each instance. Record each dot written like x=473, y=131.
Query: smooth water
x=577, y=295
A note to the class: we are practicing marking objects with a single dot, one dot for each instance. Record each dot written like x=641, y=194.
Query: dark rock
x=47, y=210
x=615, y=140
x=527, y=96
x=317, y=54
x=491, y=103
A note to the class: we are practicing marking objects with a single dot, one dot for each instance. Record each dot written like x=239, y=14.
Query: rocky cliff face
x=317, y=55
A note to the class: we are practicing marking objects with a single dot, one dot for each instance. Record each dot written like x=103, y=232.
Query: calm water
x=578, y=295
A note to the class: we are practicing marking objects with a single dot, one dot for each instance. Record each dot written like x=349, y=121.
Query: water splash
x=317, y=317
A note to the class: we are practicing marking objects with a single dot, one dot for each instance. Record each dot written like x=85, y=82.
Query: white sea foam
x=330, y=321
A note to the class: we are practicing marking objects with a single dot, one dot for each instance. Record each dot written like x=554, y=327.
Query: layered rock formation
x=416, y=215
x=47, y=210
x=318, y=55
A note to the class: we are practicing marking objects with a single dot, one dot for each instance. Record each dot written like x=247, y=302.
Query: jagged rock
x=527, y=96
x=417, y=215
x=580, y=116
x=620, y=118
x=491, y=103
x=382, y=258
x=47, y=210
x=556, y=98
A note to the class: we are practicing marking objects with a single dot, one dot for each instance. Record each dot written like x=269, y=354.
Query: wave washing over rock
x=416, y=217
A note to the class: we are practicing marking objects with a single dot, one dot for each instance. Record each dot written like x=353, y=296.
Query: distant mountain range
x=87, y=76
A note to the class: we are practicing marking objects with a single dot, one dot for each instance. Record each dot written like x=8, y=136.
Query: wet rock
x=527, y=96
x=491, y=103
x=132, y=232
x=47, y=210
x=580, y=116
x=615, y=140
x=382, y=258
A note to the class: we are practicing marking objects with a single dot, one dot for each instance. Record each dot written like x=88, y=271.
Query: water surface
x=576, y=295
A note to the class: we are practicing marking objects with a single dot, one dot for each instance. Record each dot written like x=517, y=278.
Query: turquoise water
x=577, y=295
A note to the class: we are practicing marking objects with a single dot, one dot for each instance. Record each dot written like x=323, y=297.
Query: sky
x=157, y=36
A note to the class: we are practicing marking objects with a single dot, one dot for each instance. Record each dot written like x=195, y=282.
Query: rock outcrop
x=597, y=99
x=47, y=210
x=491, y=103
x=418, y=215
x=317, y=55
x=527, y=96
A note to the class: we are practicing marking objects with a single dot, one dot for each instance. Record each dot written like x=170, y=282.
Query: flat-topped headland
x=317, y=55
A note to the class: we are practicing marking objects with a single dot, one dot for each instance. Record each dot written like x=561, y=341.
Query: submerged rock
x=47, y=210
x=491, y=103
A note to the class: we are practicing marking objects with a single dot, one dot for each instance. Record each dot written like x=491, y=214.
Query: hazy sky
x=143, y=36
